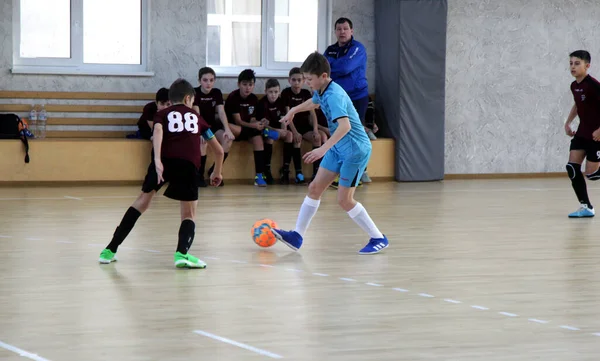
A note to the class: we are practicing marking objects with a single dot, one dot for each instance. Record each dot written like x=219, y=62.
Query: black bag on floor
x=13, y=127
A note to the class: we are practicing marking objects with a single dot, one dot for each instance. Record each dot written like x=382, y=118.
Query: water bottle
x=42, y=119
x=33, y=116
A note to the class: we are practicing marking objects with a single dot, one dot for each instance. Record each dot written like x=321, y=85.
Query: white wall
x=507, y=82
x=177, y=49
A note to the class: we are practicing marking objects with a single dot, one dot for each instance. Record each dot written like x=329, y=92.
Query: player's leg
x=592, y=162
x=350, y=174
x=576, y=157
x=201, y=181
x=288, y=149
x=259, y=155
x=316, y=143
x=139, y=206
x=225, y=143
x=181, y=188
x=268, y=154
x=326, y=174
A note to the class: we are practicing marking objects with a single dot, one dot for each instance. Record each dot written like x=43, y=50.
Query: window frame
x=269, y=67
x=75, y=65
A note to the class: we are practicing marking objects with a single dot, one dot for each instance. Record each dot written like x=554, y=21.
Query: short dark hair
x=343, y=20
x=162, y=95
x=295, y=70
x=316, y=64
x=180, y=89
x=206, y=70
x=247, y=75
x=272, y=83
x=581, y=54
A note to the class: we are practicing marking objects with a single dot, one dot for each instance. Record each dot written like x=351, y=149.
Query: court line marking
x=34, y=239
x=240, y=262
x=3, y=236
x=294, y=270
x=374, y=284
x=538, y=321
x=64, y=242
x=571, y=328
x=22, y=352
x=75, y=198
x=449, y=300
x=238, y=344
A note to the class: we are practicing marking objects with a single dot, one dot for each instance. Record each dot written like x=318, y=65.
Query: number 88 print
x=177, y=124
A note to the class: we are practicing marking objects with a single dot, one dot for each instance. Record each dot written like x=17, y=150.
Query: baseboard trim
x=504, y=175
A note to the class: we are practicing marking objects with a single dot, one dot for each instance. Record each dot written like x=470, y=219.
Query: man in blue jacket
x=348, y=61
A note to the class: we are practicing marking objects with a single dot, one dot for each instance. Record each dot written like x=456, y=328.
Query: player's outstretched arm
x=342, y=129
x=304, y=107
x=214, y=145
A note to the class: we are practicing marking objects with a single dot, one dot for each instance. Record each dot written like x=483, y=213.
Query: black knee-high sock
x=126, y=225
x=268, y=155
x=288, y=148
x=186, y=236
x=578, y=183
x=297, y=160
x=212, y=167
x=316, y=164
x=259, y=161
x=202, y=167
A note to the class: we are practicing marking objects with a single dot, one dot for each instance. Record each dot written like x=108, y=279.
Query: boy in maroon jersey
x=270, y=109
x=241, y=106
x=146, y=121
x=176, y=141
x=305, y=124
x=586, y=139
x=209, y=103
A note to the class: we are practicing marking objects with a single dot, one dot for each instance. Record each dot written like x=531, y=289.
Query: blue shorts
x=350, y=170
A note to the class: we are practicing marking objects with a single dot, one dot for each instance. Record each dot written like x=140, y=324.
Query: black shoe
x=284, y=176
x=268, y=176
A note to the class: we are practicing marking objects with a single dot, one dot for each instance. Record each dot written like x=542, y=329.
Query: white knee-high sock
x=307, y=211
x=361, y=217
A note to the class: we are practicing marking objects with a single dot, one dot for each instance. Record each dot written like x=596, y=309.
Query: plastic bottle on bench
x=33, y=116
x=42, y=120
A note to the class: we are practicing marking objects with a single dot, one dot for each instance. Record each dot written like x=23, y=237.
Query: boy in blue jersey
x=346, y=153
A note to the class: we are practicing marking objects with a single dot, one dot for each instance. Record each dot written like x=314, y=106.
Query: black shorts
x=247, y=133
x=303, y=128
x=591, y=148
x=182, y=176
x=216, y=126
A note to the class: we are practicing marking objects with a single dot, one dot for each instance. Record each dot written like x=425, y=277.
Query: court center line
x=3, y=236
x=538, y=321
x=238, y=344
x=347, y=279
x=597, y=334
x=74, y=198
x=374, y=284
x=452, y=301
x=570, y=328
x=480, y=307
x=33, y=239
x=400, y=290
x=22, y=352
x=321, y=274
x=427, y=295
x=508, y=314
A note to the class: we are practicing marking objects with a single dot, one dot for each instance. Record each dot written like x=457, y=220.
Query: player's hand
x=159, y=170
x=228, y=135
x=215, y=179
x=259, y=125
x=287, y=119
x=570, y=131
x=596, y=135
x=314, y=155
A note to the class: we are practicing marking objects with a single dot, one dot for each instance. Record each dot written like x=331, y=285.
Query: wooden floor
x=477, y=270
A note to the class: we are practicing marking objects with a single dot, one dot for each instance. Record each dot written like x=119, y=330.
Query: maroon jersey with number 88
x=182, y=129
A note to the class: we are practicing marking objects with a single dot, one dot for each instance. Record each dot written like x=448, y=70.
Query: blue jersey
x=335, y=103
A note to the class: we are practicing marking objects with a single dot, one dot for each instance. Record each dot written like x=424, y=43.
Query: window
x=74, y=37
x=270, y=36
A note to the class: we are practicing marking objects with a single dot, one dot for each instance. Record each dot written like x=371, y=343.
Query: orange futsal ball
x=262, y=234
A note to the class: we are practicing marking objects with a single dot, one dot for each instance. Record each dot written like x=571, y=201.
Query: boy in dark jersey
x=145, y=123
x=240, y=107
x=586, y=139
x=176, y=141
x=209, y=103
x=305, y=124
x=270, y=109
